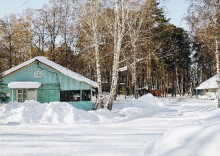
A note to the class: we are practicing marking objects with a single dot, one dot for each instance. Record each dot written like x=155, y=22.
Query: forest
x=127, y=46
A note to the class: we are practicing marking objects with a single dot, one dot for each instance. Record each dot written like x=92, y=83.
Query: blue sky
x=175, y=9
x=16, y=6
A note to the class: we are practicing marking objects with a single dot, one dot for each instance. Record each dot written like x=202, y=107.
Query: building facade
x=45, y=81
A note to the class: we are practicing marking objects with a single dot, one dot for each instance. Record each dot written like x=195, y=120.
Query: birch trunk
x=97, y=56
x=98, y=73
x=134, y=70
x=91, y=14
x=119, y=29
x=149, y=73
x=135, y=30
x=217, y=54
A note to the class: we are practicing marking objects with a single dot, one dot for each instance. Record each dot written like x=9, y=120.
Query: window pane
x=19, y=96
x=25, y=96
x=70, y=95
x=22, y=95
x=86, y=95
x=62, y=97
x=76, y=95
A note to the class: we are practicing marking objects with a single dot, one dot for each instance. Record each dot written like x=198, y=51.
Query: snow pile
x=32, y=112
x=195, y=131
x=190, y=140
x=150, y=99
x=146, y=105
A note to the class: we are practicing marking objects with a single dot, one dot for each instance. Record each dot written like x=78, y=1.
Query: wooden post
x=12, y=96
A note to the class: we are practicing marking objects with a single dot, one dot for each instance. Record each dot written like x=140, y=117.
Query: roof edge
x=51, y=64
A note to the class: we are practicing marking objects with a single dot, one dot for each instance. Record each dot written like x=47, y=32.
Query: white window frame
x=24, y=94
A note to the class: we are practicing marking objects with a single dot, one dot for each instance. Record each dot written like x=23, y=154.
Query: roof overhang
x=23, y=85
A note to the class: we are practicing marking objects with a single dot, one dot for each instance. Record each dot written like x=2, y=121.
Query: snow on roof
x=209, y=83
x=54, y=65
x=24, y=85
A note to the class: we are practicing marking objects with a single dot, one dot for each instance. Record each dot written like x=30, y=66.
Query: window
x=74, y=95
x=26, y=94
x=86, y=95
x=22, y=95
x=70, y=95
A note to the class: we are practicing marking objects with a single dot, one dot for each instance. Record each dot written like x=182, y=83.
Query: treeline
x=203, y=18
x=126, y=46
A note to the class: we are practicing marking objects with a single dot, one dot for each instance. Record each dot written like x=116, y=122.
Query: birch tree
x=140, y=15
x=94, y=22
x=91, y=17
x=121, y=16
x=203, y=15
x=134, y=32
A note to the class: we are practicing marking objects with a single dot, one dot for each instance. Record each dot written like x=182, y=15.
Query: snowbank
x=146, y=105
x=150, y=99
x=36, y=113
x=190, y=140
x=32, y=112
x=195, y=131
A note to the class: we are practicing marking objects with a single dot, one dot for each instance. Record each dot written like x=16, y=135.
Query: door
x=32, y=94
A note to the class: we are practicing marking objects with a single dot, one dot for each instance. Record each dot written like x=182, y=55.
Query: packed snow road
x=130, y=131
x=111, y=139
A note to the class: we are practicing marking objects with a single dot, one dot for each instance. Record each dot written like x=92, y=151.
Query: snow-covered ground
x=147, y=126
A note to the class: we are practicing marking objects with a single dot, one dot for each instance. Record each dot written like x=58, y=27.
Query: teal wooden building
x=42, y=80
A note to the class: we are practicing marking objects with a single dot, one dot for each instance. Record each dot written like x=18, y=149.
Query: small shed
x=209, y=88
x=43, y=80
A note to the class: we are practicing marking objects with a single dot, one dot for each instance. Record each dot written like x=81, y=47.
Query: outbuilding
x=208, y=89
x=43, y=80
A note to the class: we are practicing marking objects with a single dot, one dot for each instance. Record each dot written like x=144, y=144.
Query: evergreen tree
x=3, y=97
x=175, y=54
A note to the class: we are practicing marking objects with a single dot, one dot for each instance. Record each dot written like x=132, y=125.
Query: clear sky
x=175, y=9
x=16, y=6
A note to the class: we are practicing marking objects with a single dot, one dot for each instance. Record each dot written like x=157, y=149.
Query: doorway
x=26, y=94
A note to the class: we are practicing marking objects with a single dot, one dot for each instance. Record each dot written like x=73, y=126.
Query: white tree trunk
x=92, y=9
x=99, y=77
x=119, y=29
x=134, y=70
x=97, y=56
x=217, y=55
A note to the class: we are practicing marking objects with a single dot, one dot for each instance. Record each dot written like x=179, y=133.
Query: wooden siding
x=52, y=82
x=50, y=76
x=85, y=105
x=48, y=93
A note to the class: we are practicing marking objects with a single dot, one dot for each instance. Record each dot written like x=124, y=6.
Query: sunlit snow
x=149, y=126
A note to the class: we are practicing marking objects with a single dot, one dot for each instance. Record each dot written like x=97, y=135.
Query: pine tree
x=2, y=94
